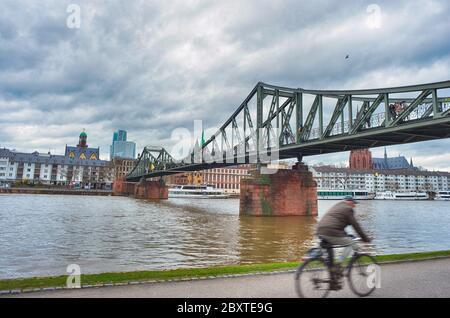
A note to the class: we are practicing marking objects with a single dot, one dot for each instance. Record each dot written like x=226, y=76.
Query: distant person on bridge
x=331, y=227
x=400, y=107
x=393, y=110
x=363, y=111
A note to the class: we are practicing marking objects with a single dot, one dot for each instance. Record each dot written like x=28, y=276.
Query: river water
x=41, y=235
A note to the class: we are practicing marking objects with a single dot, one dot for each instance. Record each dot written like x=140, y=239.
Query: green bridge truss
x=294, y=123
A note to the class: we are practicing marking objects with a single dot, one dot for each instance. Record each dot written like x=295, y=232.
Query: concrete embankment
x=55, y=191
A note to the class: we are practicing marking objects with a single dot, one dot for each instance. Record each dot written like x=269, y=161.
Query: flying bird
x=347, y=57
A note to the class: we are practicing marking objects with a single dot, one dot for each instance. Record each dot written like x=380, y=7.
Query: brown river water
x=41, y=235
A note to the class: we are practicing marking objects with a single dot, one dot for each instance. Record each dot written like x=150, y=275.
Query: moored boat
x=392, y=195
x=443, y=196
x=341, y=194
x=197, y=192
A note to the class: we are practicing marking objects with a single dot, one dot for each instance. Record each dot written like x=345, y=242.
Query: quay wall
x=55, y=191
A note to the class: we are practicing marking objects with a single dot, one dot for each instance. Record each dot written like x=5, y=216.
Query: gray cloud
x=152, y=66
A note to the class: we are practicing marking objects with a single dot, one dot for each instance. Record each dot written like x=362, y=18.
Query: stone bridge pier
x=148, y=190
x=283, y=193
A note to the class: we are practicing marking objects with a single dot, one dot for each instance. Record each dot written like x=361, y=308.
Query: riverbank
x=55, y=191
x=132, y=278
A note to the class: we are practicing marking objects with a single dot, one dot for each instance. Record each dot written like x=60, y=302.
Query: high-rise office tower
x=121, y=147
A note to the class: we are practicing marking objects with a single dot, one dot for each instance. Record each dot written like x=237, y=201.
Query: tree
x=343, y=181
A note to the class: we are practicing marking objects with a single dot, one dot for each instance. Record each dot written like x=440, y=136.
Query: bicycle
x=319, y=274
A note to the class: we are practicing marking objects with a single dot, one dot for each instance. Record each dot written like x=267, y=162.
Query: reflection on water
x=274, y=239
x=41, y=235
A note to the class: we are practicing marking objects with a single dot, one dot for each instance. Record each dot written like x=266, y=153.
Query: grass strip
x=162, y=275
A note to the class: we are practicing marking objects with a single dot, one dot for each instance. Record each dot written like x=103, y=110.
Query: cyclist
x=331, y=227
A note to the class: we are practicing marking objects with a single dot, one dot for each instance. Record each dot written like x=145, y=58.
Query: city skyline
x=378, y=152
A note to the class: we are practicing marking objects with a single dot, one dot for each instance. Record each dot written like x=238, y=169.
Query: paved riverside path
x=430, y=278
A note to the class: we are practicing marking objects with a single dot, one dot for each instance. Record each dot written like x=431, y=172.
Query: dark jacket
x=337, y=219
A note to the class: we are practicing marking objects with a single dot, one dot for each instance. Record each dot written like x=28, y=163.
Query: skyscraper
x=121, y=135
x=121, y=147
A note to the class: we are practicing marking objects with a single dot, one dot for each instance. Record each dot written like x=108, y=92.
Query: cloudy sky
x=152, y=66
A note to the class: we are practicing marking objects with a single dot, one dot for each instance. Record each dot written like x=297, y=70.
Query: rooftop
x=36, y=157
x=391, y=163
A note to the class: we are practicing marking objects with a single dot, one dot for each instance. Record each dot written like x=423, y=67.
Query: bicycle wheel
x=312, y=279
x=363, y=275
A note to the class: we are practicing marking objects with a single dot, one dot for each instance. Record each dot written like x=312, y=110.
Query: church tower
x=361, y=159
x=83, y=140
x=82, y=150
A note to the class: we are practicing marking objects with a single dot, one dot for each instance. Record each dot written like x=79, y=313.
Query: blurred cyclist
x=331, y=227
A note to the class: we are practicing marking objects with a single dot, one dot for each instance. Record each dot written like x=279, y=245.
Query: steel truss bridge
x=276, y=122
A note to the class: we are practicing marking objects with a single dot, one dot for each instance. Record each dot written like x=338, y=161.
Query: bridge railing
x=378, y=120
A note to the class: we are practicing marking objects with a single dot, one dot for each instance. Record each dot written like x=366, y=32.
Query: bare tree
x=343, y=181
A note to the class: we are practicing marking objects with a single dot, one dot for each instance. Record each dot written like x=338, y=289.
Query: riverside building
x=380, y=175
x=80, y=167
x=372, y=180
x=122, y=167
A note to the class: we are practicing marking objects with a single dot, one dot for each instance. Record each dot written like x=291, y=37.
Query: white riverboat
x=341, y=194
x=443, y=196
x=197, y=192
x=392, y=195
